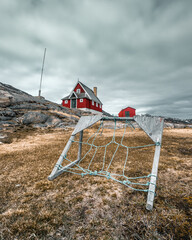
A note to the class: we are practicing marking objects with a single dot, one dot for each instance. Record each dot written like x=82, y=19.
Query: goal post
x=152, y=126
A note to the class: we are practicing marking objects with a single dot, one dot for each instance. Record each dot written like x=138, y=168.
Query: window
x=96, y=104
x=78, y=90
x=93, y=103
x=81, y=100
x=66, y=101
x=100, y=105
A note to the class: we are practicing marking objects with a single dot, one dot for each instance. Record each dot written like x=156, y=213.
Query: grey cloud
x=138, y=53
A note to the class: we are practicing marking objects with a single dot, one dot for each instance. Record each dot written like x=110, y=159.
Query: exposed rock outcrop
x=20, y=109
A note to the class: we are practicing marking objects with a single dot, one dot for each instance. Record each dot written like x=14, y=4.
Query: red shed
x=127, y=112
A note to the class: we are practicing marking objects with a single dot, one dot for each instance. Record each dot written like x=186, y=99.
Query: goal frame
x=152, y=126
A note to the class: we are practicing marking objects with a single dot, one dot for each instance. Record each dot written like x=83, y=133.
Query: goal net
x=112, y=154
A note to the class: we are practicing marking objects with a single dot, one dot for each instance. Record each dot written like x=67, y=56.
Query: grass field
x=91, y=207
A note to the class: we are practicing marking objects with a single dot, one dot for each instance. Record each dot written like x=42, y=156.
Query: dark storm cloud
x=138, y=53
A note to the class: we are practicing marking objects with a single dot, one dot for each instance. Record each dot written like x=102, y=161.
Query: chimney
x=95, y=91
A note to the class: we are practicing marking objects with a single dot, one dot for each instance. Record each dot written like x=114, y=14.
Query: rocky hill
x=20, y=110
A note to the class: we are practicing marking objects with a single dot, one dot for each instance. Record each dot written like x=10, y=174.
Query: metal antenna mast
x=42, y=73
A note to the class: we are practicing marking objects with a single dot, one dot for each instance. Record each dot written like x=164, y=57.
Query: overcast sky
x=137, y=52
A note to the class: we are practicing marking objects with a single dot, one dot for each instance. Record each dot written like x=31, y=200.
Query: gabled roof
x=73, y=92
x=65, y=98
x=88, y=93
x=127, y=107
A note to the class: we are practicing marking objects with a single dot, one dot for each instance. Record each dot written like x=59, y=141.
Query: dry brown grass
x=89, y=207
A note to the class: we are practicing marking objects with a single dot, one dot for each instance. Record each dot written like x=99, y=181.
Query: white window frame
x=66, y=101
x=81, y=100
x=92, y=102
x=96, y=104
x=78, y=90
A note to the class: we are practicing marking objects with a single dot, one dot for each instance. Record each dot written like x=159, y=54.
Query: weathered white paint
x=80, y=145
x=85, y=122
x=153, y=179
x=55, y=171
x=152, y=126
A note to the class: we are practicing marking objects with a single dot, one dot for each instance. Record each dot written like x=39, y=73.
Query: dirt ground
x=92, y=207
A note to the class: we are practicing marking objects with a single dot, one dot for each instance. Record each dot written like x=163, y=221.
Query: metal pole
x=57, y=172
x=42, y=72
x=153, y=180
x=80, y=145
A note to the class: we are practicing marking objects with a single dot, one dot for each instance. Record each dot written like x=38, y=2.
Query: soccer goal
x=109, y=159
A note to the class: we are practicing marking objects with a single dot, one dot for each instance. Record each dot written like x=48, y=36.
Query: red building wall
x=128, y=109
x=88, y=104
x=94, y=107
x=84, y=104
x=68, y=104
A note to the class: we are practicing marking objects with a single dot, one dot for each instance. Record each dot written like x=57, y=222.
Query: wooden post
x=55, y=171
x=153, y=179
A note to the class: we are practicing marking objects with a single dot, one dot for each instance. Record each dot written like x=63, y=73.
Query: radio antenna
x=42, y=73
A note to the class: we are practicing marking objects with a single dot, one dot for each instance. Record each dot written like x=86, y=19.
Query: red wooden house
x=127, y=112
x=83, y=98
